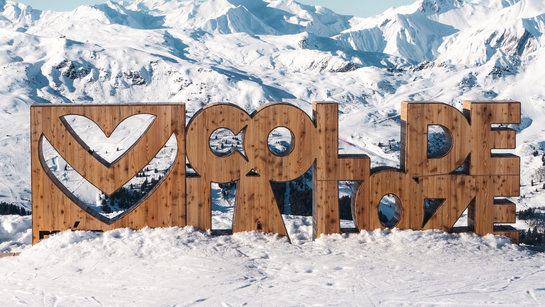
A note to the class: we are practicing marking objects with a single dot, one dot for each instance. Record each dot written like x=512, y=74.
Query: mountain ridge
x=233, y=51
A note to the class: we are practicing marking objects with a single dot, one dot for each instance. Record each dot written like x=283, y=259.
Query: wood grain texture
x=465, y=175
x=209, y=166
x=470, y=137
x=484, y=138
x=56, y=209
x=256, y=208
x=330, y=168
x=406, y=189
x=416, y=117
x=487, y=210
x=255, y=191
x=457, y=191
x=497, y=174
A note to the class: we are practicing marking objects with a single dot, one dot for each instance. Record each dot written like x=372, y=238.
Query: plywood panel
x=503, y=138
x=256, y=208
x=199, y=203
x=325, y=208
x=505, y=211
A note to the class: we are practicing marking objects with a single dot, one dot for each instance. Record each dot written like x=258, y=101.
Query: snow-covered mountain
x=250, y=52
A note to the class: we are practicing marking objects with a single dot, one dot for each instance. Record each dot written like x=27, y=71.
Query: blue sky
x=361, y=8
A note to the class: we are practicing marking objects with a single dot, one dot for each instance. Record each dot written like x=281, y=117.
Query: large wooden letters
x=256, y=207
x=466, y=175
x=330, y=168
x=431, y=191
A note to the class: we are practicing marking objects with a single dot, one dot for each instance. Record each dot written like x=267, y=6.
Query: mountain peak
x=438, y=6
x=153, y=2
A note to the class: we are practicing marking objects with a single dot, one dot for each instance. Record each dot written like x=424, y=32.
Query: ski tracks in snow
x=185, y=267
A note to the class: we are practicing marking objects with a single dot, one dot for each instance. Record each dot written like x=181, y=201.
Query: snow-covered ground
x=185, y=267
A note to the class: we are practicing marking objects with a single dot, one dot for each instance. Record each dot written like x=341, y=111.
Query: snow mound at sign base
x=186, y=267
x=15, y=233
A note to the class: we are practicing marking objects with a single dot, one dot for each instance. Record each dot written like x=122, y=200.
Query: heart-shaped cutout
x=110, y=208
x=107, y=147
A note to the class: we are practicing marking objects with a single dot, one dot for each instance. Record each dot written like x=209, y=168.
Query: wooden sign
x=55, y=208
x=466, y=175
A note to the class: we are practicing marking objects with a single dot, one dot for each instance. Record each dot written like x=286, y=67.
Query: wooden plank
x=507, y=231
x=209, y=166
x=505, y=211
x=416, y=118
x=199, y=203
x=256, y=208
x=500, y=164
x=330, y=168
x=37, y=175
x=325, y=212
x=176, y=183
x=407, y=191
x=486, y=210
x=503, y=138
x=484, y=138
x=457, y=191
x=480, y=214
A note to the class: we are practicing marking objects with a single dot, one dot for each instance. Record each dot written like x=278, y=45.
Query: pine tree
x=529, y=237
